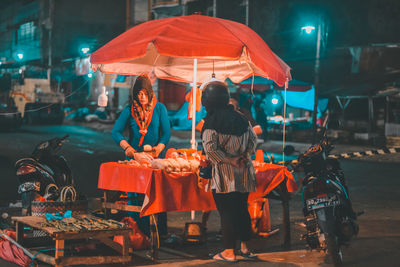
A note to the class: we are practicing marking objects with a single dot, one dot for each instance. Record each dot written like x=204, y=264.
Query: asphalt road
x=374, y=187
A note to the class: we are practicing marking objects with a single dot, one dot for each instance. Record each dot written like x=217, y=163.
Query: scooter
x=329, y=218
x=45, y=174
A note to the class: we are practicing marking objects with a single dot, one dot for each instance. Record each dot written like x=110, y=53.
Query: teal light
x=308, y=29
x=275, y=100
x=90, y=75
x=20, y=56
x=85, y=50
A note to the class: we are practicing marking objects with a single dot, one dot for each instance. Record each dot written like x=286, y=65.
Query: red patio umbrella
x=189, y=49
x=168, y=46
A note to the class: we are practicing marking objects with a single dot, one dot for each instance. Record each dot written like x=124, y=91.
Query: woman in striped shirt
x=228, y=141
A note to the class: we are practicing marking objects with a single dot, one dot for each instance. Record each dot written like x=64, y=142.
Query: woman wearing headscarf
x=228, y=141
x=148, y=124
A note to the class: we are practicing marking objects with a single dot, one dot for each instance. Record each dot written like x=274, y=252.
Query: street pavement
x=373, y=181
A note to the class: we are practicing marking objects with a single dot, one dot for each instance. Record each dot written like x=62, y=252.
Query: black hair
x=215, y=96
x=221, y=116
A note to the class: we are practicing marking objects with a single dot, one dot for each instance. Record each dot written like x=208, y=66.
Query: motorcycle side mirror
x=56, y=143
x=322, y=134
x=43, y=145
x=321, y=131
x=62, y=140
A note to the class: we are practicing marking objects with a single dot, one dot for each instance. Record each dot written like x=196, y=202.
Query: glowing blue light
x=90, y=75
x=308, y=29
x=20, y=56
x=274, y=100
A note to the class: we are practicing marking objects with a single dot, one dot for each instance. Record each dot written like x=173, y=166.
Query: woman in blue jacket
x=148, y=124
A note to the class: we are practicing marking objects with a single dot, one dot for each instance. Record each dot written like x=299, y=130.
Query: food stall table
x=179, y=191
x=61, y=236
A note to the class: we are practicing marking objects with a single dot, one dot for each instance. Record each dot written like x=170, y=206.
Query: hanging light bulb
x=102, y=100
x=213, y=79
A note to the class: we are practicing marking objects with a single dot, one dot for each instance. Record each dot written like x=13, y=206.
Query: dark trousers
x=144, y=222
x=235, y=217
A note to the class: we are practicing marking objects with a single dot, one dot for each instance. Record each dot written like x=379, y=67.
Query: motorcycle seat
x=25, y=161
x=35, y=164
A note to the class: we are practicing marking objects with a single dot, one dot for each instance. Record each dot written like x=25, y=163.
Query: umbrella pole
x=194, y=94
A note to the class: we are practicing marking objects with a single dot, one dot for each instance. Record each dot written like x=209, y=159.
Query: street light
x=20, y=56
x=309, y=30
x=85, y=50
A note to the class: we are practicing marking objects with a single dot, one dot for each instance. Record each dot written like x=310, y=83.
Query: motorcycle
x=45, y=174
x=329, y=218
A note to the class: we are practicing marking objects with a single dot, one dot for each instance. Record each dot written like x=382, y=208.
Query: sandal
x=222, y=258
x=247, y=255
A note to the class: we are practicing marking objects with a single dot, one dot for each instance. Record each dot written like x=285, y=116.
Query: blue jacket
x=159, y=130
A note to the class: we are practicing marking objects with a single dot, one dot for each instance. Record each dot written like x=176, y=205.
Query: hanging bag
x=205, y=169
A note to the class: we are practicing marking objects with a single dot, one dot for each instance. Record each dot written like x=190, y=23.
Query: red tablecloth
x=179, y=191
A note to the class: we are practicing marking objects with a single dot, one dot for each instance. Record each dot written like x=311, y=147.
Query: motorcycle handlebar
x=58, y=141
x=63, y=138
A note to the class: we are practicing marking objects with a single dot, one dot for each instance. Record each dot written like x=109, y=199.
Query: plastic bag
x=205, y=169
x=138, y=240
x=10, y=252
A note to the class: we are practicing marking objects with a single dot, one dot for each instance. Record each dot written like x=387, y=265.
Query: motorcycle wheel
x=334, y=251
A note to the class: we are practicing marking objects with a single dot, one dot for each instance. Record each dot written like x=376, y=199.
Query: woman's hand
x=234, y=161
x=244, y=159
x=129, y=151
x=239, y=161
x=158, y=149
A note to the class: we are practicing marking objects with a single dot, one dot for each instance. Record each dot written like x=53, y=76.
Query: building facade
x=48, y=38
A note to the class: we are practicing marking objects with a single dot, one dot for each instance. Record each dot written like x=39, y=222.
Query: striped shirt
x=225, y=177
